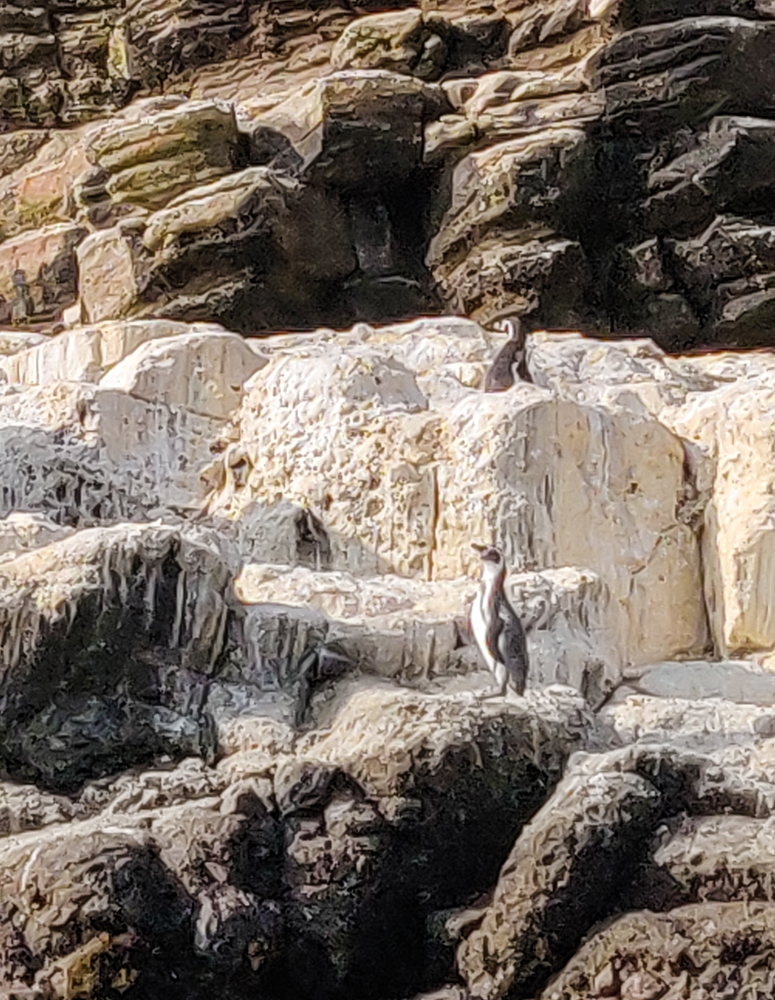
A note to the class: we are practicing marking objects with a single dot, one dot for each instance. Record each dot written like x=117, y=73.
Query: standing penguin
x=496, y=627
x=510, y=363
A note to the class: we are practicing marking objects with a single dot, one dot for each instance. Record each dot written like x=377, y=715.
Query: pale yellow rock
x=77, y=451
x=404, y=467
x=15, y=341
x=388, y=40
x=20, y=531
x=397, y=627
x=202, y=372
x=723, y=407
x=85, y=353
x=107, y=281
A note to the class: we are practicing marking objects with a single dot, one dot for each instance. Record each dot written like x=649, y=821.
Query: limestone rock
x=84, y=354
x=708, y=936
x=149, y=161
x=525, y=931
x=202, y=372
x=412, y=630
x=394, y=40
x=178, y=599
x=108, y=284
x=384, y=114
x=19, y=532
x=634, y=88
x=429, y=491
x=83, y=456
x=38, y=271
x=14, y=341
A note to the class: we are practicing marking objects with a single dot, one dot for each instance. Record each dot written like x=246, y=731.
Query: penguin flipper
x=511, y=646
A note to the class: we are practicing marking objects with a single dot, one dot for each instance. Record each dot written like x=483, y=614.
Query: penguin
x=510, y=362
x=496, y=626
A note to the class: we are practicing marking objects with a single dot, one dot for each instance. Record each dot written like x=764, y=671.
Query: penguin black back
x=510, y=362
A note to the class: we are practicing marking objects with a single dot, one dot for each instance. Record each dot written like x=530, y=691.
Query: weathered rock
x=391, y=41
x=728, y=169
x=412, y=630
x=85, y=353
x=407, y=767
x=108, y=283
x=678, y=71
x=419, y=492
x=44, y=261
x=202, y=372
x=19, y=532
x=83, y=589
x=340, y=123
x=15, y=341
x=149, y=161
x=83, y=456
x=509, y=185
x=707, y=949
x=146, y=47
x=550, y=887
x=720, y=858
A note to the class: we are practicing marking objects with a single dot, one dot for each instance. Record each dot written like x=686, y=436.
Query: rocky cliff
x=601, y=165
x=244, y=748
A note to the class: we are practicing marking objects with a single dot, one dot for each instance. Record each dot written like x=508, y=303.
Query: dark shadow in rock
x=90, y=699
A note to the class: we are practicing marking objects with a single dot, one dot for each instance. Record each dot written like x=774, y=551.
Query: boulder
x=38, y=271
x=128, y=595
x=85, y=353
x=201, y=372
x=722, y=859
x=149, y=161
x=412, y=630
x=551, y=887
x=340, y=123
x=704, y=949
x=83, y=455
x=727, y=169
x=402, y=41
x=385, y=782
x=678, y=71
x=421, y=498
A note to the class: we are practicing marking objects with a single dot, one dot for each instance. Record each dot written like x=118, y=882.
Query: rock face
x=247, y=746
x=245, y=740
x=278, y=166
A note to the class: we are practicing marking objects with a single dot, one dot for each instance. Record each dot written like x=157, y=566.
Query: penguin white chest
x=479, y=628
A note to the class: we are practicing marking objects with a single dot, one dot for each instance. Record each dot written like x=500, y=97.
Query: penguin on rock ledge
x=496, y=627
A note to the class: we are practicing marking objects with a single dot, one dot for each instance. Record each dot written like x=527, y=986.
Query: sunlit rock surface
x=246, y=743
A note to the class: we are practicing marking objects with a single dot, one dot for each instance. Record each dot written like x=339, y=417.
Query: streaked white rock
x=85, y=353
x=203, y=372
x=404, y=465
x=396, y=627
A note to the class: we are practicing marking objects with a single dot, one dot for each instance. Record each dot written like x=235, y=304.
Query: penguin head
x=491, y=557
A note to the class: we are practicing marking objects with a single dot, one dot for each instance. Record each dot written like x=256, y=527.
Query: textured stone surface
x=455, y=467
x=201, y=372
x=244, y=749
